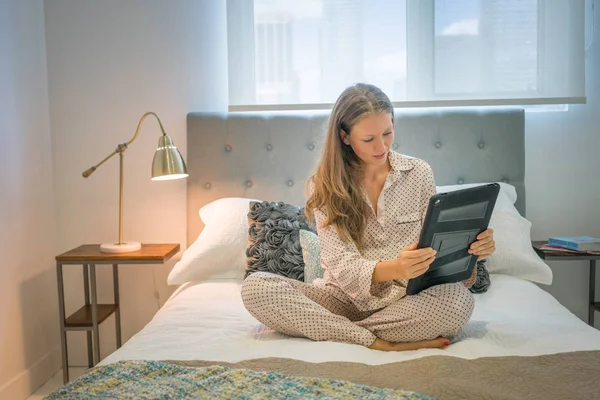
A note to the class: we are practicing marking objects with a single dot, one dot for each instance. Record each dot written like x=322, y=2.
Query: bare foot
x=384, y=345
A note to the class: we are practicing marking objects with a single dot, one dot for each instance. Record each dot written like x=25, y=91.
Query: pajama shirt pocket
x=408, y=228
x=409, y=218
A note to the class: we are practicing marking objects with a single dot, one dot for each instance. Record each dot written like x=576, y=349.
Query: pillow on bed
x=482, y=283
x=219, y=252
x=274, y=239
x=514, y=254
x=311, y=254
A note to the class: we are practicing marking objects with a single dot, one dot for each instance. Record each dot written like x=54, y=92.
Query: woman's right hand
x=413, y=262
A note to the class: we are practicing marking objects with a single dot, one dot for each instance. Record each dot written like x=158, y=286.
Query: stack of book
x=573, y=244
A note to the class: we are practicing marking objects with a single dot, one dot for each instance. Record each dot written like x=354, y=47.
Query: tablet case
x=452, y=223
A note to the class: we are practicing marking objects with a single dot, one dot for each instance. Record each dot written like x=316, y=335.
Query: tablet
x=452, y=223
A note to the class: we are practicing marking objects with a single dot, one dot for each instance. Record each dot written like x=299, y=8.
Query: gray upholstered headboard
x=269, y=155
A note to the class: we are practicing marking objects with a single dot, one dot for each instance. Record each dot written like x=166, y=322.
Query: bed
x=519, y=343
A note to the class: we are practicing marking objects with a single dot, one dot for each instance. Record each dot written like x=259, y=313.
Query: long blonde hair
x=336, y=184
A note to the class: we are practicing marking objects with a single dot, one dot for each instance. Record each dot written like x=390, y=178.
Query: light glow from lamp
x=169, y=177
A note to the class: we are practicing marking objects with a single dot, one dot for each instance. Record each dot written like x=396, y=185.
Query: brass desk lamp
x=167, y=164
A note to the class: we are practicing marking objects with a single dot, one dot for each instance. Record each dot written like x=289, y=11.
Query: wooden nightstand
x=561, y=256
x=88, y=317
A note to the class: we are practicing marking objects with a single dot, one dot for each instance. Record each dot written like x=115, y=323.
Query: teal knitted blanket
x=161, y=380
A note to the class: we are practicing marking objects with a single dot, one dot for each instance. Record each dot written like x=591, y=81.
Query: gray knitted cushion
x=483, y=279
x=273, y=239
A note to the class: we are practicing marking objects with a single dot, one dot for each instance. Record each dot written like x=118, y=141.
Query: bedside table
x=88, y=317
x=564, y=256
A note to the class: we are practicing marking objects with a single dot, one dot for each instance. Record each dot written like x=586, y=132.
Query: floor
x=55, y=382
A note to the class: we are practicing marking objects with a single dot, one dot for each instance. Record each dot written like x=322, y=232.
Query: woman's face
x=371, y=138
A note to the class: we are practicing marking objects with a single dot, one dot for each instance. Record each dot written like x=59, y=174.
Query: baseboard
x=30, y=380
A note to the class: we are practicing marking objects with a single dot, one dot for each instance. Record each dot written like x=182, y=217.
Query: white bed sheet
x=207, y=321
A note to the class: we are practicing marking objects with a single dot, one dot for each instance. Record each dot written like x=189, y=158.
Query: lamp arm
x=137, y=131
x=122, y=147
x=90, y=170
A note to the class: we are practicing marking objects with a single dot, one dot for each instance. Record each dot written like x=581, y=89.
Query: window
x=287, y=54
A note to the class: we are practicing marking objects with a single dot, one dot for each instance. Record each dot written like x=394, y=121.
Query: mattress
x=207, y=321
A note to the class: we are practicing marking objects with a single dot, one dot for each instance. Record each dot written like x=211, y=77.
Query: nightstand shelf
x=83, y=317
x=91, y=314
x=550, y=255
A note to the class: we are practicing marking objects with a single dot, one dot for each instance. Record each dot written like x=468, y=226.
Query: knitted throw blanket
x=161, y=380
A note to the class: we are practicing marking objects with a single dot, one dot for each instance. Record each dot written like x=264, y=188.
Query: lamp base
x=125, y=247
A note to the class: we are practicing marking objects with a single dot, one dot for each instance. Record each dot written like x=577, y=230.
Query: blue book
x=579, y=243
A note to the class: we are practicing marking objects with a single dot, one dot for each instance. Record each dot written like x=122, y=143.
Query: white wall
x=109, y=62
x=563, y=187
x=28, y=307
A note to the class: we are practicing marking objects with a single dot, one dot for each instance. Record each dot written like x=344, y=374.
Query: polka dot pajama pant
x=327, y=314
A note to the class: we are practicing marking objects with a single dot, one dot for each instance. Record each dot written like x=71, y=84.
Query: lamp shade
x=168, y=162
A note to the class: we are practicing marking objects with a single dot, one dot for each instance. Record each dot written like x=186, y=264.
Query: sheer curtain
x=286, y=54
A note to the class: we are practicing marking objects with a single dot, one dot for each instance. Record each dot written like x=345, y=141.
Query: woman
x=369, y=203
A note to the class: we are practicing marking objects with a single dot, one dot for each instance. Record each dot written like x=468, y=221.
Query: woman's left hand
x=485, y=245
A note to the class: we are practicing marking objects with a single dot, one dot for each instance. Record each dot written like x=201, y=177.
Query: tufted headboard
x=269, y=155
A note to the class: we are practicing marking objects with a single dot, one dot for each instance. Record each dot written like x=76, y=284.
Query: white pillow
x=219, y=252
x=514, y=254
